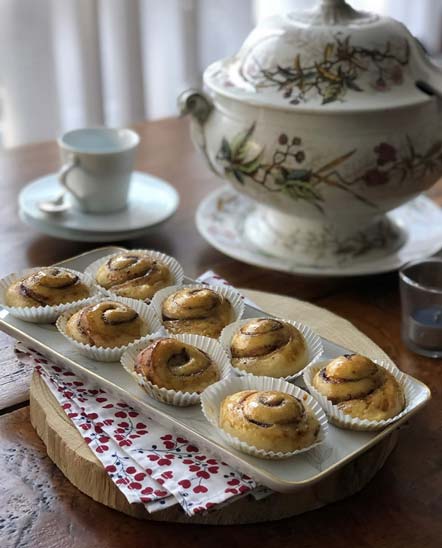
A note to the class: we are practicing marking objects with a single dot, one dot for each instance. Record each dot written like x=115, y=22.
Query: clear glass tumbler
x=421, y=299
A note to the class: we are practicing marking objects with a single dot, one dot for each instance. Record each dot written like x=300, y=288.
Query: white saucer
x=151, y=201
x=77, y=236
x=221, y=215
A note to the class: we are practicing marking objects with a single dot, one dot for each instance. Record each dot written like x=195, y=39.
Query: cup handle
x=64, y=171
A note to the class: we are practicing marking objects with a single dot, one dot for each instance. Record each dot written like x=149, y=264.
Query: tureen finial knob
x=334, y=12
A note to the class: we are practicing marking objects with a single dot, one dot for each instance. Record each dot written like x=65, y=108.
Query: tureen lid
x=332, y=58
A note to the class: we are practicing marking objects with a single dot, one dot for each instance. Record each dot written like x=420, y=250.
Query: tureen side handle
x=196, y=103
x=200, y=106
x=430, y=74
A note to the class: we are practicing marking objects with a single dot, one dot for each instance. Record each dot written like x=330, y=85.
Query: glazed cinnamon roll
x=175, y=365
x=270, y=347
x=202, y=311
x=360, y=388
x=133, y=274
x=47, y=287
x=273, y=421
x=107, y=324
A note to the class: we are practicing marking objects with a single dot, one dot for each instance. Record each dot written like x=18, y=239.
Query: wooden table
x=401, y=507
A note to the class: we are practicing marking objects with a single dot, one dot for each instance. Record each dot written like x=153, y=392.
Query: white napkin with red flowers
x=148, y=464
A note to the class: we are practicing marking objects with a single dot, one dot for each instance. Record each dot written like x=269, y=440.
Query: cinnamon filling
x=71, y=279
x=120, y=263
x=181, y=364
x=261, y=337
x=337, y=380
x=332, y=380
x=261, y=424
x=178, y=359
x=129, y=263
x=184, y=303
x=271, y=401
x=257, y=352
x=261, y=327
x=29, y=287
x=126, y=317
x=31, y=294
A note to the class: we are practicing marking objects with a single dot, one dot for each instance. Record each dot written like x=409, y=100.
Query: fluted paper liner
x=313, y=341
x=99, y=353
x=43, y=314
x=174, y=266
x=343, y=420
x=235, y=298
x=213, y=396
x=176, y=397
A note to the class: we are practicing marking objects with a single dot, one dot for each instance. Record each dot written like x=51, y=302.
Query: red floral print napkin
x=148, y=464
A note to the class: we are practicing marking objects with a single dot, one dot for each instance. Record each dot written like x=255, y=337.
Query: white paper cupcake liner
x=43, y=314
x=315, y=347
x=102, y=354
x=213, y=396
x=235, y=298
x=174, y=266
x=176, y=397
x=343, y=420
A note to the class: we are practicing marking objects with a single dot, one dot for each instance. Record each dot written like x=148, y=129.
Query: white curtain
x=73, y=63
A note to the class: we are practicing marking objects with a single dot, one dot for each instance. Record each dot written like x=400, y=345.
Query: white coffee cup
x=97, y=167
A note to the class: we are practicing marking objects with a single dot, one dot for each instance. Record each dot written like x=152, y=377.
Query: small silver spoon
x=58, y=205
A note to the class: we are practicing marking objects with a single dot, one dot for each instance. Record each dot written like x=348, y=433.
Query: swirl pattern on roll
x=107, y=324
x=360, y=388
x=202, y=311
x=133, y=274
x=269, y=420
x=175, y=365
x=270, y=347
x=47, y=287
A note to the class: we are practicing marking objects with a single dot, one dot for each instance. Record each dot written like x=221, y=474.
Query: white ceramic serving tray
x=285, y=476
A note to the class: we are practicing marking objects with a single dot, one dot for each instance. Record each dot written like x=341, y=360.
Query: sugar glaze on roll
x=360, y=388
x=107, y=324
x=175, y=365
x=134, y=274
x=269, y=420
x=270, y=347
x=47, y=287
x=202, y=311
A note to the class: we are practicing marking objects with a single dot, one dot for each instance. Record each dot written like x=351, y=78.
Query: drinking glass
x=421, y=299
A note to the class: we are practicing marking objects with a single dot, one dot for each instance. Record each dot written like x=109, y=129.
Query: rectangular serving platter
x=286, y=476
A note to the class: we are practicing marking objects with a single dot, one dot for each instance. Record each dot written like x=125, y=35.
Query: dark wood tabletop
x=401, y=507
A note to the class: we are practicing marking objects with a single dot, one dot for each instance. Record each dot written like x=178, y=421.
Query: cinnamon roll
x=202, y=311
x=47, y=287
x=269, y=420
x=107, y=324
x=360, y=388
x=270, y=347
x=175, y=365
x=133, y=274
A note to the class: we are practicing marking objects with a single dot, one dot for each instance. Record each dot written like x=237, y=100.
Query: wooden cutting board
x=70, y=453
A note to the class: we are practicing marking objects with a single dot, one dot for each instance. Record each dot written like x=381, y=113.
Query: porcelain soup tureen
x=327, y=119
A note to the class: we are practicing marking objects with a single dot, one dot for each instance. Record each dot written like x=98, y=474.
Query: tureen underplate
x=222, y=216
